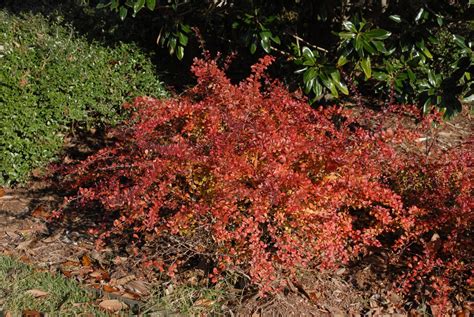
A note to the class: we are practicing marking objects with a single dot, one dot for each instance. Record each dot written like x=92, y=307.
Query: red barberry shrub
x=437, y=246
x=275, y=185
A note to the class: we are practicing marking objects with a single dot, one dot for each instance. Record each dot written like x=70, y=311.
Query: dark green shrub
x=51, y=80
x=413, y=51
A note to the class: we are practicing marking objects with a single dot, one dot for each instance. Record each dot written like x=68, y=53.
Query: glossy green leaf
x=309, y=85
x=395, y=18
x=253, y=48
x=276, y=39
x=151, y=4
x=330, y=85
x=349, y=26
x=265, y=35
x=180, y=52
x=336, y=79
x=123, y=13
x=266, y=45
x=172, y=45
x=307, y=52
x=378, y=34
x=185, y=28
x=366, y=67
x=309, y=74
x=139, y=4
x=317, y=88
x=183, y=39
x=419, y=15
x=346, y=35
x=299, y=71
x=342, y=60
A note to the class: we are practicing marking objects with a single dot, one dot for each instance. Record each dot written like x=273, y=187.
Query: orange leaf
x=109, y=289
x=31, y=313
x=2, y=192
x=40, y=212
x=86, y=261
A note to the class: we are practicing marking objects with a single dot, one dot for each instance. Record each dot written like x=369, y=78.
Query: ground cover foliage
x=53, y=81
x=250, y=180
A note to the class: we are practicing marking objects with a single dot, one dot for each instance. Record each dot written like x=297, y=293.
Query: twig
x=308, y=43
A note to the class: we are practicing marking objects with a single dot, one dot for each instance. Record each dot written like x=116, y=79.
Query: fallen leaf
x=24, y=245
x=2, y=192
x=31, y=313
x=109, y=289
x=100, y=275
x=40, y=212
x=112, y=305
x=138, y=287
x=131, y=295
x=204, y=302
x=313, y=297
x=125, y=280
x=37, y=293
x=86, y=261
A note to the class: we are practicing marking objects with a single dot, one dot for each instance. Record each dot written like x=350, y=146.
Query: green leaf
x=395, y=18
x=123, y=13
x=309, y=74
x=266, y=45
x=180, y=52
x=265, y=35
x=299, y=71
x=379, y=46
x=317, y=88
x=342, y=61
x=253, y=48
x=381, y=76
x=419, y=15
x=460, y=41
x=139, y=4
x=183, y=39
x=346, y=35
x=172, y=45
x=427, y=105
x=276, y=39
x=185, y=28
x=307, y=52
x=309, y=85
x=366, y=67
x=431, y=78
x=349, y=26
x=151, y=4
x=103, y=4
x=330, y=85
x=378, y=34
x=336, y=79
x=427, y=53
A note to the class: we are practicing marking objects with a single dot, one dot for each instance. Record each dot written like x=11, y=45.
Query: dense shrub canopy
x=272, y=184
x=412, y=51
x=52, y=79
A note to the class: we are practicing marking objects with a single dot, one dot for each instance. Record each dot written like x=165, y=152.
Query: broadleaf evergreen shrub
x=412, y=51
x=51, y=79
x=273, y=185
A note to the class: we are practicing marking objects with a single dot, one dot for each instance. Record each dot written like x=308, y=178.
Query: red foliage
x=277, y=185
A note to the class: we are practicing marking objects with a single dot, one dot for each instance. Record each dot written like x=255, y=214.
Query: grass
x=65, y=297
x=68, y=298
x=54, y=81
